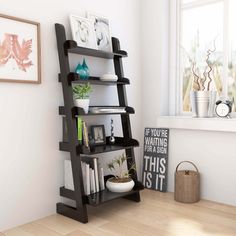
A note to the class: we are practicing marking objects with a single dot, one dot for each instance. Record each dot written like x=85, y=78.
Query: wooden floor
x=158, y=214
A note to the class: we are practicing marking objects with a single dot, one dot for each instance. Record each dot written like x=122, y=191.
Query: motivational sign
x=155, y=163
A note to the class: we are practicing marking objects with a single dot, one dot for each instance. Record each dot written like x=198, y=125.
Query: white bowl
x=109, y=77
x=119, y=187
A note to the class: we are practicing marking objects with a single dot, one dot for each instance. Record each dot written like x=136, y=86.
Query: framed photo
x=98, y=134
x=20, y=51
x=83, y=32
x=102, y=32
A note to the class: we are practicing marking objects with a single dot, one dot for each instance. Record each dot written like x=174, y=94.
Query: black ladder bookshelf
x=66, y=77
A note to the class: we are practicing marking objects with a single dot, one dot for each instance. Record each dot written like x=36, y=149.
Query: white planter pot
x=82, y=103
x=119, y=187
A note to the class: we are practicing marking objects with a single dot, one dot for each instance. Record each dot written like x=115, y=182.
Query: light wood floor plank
x=31, y=229
x=38, y=230
x=79, y=233
x=59, y=224
x=156, y=214
x=16, y=232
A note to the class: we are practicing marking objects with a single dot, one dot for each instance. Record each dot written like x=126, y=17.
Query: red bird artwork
x=11, y=48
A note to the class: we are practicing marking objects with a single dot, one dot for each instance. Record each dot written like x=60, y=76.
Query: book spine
x=85, y=135
x=80, y=128
x=101, y=179
x=83, y=164
x=95, y=161
x=92, y=181
x=87, y=180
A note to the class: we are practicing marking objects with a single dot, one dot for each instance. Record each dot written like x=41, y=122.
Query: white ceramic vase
x=120, y=187
x=82, y=103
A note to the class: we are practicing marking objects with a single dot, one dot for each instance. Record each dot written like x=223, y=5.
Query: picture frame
x=102, y=31
x=83, y=32
x=20, y=50
x=98, y=134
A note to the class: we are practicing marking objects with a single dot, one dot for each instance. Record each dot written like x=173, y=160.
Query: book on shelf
x=92, y=174
x=87, y=179
x=83, y=166
x=80, y=130
x=85, y=135
x=101, y=179
x=93, y=162
x=92, y=181
x=109, y=109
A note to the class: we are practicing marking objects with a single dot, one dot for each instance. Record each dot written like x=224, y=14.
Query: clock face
x=222, y=110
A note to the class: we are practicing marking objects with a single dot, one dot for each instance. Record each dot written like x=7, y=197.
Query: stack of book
x=93, y=175
x=82, y=131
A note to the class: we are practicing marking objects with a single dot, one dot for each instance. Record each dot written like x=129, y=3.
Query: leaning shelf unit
x=66, y=77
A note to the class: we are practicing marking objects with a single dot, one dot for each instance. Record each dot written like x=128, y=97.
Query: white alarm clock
x=223, y=108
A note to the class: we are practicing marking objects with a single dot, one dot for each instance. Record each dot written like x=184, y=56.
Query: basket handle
x=186, y=162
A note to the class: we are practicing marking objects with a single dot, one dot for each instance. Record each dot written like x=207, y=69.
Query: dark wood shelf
x=120, y=144
x=75, y=79
x=77, y=111
x=65, y=47
x=71, y=47
x=101, y=197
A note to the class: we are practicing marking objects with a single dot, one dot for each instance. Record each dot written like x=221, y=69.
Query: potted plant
x=203, y=96
x=81, y=94
x=122, y=181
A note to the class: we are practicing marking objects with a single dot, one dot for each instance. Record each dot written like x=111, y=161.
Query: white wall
x=212, y=152
x=31, y=169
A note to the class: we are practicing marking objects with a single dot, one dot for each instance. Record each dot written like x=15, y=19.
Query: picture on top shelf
x=98, y=133
x=19, y=50
x=102, y=32
x=83, y=32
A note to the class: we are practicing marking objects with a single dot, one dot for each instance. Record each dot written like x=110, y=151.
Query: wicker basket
x=187, y=184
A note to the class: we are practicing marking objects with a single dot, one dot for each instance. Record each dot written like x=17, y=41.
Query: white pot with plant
x=122, y=181
x=81, y=94
x=203, y=96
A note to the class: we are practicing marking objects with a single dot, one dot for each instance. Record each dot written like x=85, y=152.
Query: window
x=202, y=27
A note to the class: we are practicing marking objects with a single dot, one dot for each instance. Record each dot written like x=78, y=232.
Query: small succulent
x=82, y=91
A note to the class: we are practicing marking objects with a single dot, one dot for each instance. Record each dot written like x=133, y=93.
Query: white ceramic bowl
x=120, y=187
x=109, y=77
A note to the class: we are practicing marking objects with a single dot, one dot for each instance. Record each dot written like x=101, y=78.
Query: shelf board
x=101, y=197
x=74, y=78
x=119, y=145
x=71, y=47
x=77, y=111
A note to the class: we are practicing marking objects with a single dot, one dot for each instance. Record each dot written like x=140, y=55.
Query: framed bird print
x=19, y=50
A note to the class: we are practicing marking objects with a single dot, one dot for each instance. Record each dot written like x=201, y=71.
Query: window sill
x=190, y=123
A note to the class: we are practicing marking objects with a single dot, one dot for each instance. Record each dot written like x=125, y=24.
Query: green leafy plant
x=82, y=91
x=116, y=166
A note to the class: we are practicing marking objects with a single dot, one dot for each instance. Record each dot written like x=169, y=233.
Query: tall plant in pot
x=81, y=94
x=122, y=181
x=203, y=97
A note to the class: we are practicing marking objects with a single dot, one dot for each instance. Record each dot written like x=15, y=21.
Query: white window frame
x=175, y=90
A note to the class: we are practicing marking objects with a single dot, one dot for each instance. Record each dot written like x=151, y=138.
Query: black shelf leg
x=125, y=120
x=80, y=212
